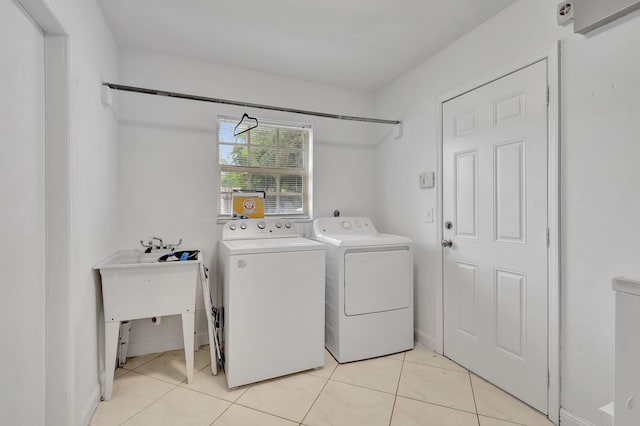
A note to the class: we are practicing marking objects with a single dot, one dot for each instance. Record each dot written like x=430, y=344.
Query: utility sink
x=131, y=258
x=135, y=285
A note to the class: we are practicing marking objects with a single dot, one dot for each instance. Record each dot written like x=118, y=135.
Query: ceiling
x=355, y=44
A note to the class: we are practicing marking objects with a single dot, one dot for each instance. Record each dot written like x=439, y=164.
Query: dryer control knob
x=261, y=225
x=346, y=224
x=288, y=225
x=243, y=226
x=278, y=225
x=232, y=227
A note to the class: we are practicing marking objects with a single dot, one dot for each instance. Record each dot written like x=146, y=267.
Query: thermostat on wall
x=426, y=180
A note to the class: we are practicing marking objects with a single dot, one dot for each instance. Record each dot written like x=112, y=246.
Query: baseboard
x=606, y=415
x=426, y=340
x=202, y=339
x=569, y=419
x=144, y=347
x=90, y=405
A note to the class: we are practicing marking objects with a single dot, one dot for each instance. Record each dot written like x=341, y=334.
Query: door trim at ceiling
x=551, y=54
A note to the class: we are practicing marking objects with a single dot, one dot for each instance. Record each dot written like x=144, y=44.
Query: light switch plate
x=426, y=180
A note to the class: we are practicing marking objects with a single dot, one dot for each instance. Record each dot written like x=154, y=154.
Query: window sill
x=221, y=220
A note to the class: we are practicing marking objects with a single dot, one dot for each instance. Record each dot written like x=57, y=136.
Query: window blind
x=273, y=157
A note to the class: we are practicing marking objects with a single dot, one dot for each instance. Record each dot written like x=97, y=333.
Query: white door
x=22, y=217
x=495, y=218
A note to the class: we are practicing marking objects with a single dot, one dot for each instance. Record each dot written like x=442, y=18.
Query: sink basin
x=135, y=285
x=132, y=258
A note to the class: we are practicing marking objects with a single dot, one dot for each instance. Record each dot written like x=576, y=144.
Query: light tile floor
x=417, y=387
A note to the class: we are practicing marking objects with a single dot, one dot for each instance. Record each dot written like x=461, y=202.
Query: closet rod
x=244, y=104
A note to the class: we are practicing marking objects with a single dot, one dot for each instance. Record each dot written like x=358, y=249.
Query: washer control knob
x=232, y=227
x=358, y=224
x=346, y=224
x=261, y=225
x=243, y=226
x=288, y=225
x=278, y=225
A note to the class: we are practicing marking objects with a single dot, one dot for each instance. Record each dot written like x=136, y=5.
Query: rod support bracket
x=106, y=96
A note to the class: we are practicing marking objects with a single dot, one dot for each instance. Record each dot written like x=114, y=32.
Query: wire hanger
x=251, y=126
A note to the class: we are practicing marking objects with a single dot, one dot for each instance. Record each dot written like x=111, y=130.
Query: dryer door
x=377, y=281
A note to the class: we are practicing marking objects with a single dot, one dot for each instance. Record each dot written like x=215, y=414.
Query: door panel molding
x=511, y=325
x=466, y=181
x=468, y=291
x=510, y=196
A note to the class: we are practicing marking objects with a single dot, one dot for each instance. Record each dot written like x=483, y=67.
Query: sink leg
x=188, y=321
x=111, y=330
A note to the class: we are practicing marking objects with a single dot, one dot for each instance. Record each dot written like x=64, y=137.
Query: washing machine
x=272, y=300
x=369, y=289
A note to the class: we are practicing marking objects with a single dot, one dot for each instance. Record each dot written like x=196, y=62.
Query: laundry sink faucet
x=161, y=246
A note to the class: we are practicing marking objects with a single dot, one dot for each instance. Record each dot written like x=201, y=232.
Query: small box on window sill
x=247, y=204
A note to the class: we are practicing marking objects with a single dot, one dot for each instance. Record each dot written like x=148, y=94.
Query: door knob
x=446, y=243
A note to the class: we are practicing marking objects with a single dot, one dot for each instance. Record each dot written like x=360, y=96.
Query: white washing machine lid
x=342, y=240
x=270, y=245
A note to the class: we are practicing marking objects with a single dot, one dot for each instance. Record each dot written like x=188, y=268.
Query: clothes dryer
x=273, y=300
x=369, y=289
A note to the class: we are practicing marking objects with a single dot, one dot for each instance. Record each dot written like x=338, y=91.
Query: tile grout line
x=489, y=416
x=221, y=414
x=473, y=394
x=149, y=404
x=437, y=366
x=395, y=397
x=438, y=405
x=503, y=420
x=276, y=415
x=157, y=355
x=266, y=412
x=207, y=394
x=317, y=396
x=363, y=387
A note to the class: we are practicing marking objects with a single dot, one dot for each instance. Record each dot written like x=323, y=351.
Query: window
x=273, y=157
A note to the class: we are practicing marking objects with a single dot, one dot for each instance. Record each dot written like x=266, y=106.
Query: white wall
x=167, y=156
x=600, y=106
x=93, y=203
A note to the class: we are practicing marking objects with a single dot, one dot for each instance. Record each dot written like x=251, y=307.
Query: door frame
x=551, y=54
x=59, y=363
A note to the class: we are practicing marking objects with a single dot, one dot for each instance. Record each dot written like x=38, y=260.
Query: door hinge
x=548, y=378
x=548, y=237
x=548, y=95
